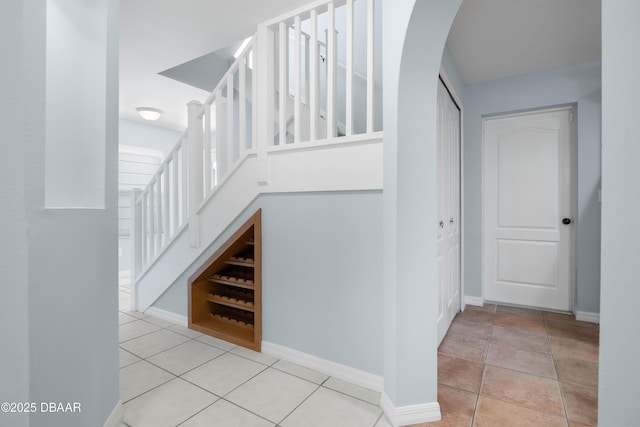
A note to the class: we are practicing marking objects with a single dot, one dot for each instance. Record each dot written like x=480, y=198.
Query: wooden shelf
x=232, y=281
x=231, y=302
x=225, y=294
x=243, y=262
x=225, y=331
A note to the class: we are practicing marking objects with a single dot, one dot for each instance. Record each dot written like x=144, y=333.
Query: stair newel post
x=195, y=168
x=264, y=73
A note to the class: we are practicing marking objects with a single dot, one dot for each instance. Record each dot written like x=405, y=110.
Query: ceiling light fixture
x=148, y=113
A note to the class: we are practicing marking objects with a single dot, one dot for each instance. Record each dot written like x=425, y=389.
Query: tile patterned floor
x=172, y=376
x=497, y=366
x=510, y=366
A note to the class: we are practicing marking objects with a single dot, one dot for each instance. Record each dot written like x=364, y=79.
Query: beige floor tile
x=520, y=311
x=569, y=330
x=495, y=413
x=459, y=373
x=470, y=329
x=577, y=371
x=520, y=340
x=470, y=348
x=534, y=363
x=575, y=349
x=519, y=323
x=476, y=316
x=491, y=308
x=456, y=406
x=581, y=403
x=539, y=394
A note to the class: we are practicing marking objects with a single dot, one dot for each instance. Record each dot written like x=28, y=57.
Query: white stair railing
x=241, y=116
x=316, y=55
x=159, y=211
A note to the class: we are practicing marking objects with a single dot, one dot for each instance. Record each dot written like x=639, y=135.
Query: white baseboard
x=327, y=367
x=411, y=414
x=168, y=316
x=586, y=316
x=116, y=416
x=469, y=300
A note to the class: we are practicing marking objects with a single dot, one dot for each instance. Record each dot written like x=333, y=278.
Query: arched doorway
x=413, y=42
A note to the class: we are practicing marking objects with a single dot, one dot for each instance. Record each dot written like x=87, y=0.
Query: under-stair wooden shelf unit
x=225, y=294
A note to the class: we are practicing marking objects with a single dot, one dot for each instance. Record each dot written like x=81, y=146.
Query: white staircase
x=240, y=144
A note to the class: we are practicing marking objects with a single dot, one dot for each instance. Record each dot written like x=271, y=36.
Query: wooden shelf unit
x=225, y=294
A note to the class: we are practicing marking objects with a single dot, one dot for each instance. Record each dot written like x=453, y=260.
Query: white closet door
x=448, y=226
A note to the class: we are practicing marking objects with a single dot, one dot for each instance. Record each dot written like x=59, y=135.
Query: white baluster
x=331, y=71
x=349, y=69
x=159, y=211
x=230, y=125
x=152, y=220
x=175, y=190
x=206, y=146
x=283, y=85
x=165, y=207
x=136, y=234
x=184, y=190
x=254, y=97
x=194, y=154
x=242, y=107
x=144, y=237
x=313, y=77
x=297, y=76
x=370, y=65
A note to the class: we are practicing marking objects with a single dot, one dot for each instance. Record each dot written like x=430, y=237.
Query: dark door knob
x=566, y=221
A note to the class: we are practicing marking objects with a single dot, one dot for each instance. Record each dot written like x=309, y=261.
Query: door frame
x=573, y=191
x=458, y=101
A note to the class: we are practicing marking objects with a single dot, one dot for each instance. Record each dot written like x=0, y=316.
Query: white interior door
x=529, y=209
x=448, y=150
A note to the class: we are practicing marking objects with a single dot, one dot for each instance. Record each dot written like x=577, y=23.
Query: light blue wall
x=619, y=383
x=14, y=268
x=61, y=345
x=76, y=33
x=578, y=84
x=412, y=58
x=322, y=275
x=147, y=136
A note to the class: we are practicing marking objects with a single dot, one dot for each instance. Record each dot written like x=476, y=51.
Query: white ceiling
x=159, y=34
x=490, y=39
x=493, y=39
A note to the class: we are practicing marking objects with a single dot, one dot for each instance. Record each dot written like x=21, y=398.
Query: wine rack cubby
x=225, y=294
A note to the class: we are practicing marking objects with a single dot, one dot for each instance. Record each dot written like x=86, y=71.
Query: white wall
x=619, y=383
x=147, y=136
x=579, y=85
x=60, y=343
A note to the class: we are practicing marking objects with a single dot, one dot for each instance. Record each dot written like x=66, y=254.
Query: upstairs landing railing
x=307, y=79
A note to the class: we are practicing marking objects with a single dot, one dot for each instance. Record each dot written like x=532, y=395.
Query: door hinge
x=571, y=118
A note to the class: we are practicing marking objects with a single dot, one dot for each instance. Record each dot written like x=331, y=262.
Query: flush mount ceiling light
x=148, y=113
